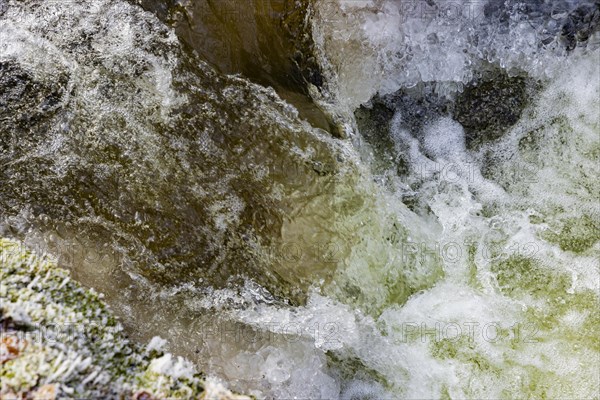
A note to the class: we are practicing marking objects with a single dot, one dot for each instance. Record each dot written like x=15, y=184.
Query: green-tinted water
x=448, y=248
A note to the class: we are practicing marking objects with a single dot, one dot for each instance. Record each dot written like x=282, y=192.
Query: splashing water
x=448, y=249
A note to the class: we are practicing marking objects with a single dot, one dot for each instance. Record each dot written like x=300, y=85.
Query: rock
x=488, y=107
x=270, y=42
x=567, y=23
x=26, y=100
x=75, y=347
x=126, y=142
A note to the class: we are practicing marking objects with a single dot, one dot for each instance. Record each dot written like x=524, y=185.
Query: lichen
x=58, y=339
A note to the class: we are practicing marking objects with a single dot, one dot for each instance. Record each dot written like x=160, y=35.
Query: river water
x=320, y=199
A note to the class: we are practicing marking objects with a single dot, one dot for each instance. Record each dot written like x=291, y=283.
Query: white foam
x=156, y=343
x=487, y=362
x=382, y=46
x=171, y=366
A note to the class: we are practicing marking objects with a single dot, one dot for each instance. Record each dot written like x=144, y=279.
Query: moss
x=64, y=341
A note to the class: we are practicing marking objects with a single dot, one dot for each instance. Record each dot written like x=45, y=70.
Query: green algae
x=520, y=276
x=352, y=367
x=463, y=349
x=575, y=234
x=519, y=273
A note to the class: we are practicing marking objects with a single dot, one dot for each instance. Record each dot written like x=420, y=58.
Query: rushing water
x=418, y=218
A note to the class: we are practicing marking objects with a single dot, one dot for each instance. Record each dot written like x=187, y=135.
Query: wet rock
x=568, y=23
x=27, y=100
x=490, y=106
x=580, y=24
x=268, y=41
x=419, y=106
x=187, y=175
x=372, y=122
